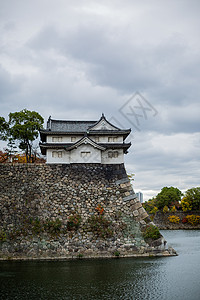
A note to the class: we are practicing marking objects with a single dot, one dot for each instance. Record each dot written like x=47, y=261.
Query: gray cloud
x=78, y=59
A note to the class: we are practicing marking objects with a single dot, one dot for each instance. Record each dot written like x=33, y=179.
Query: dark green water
x=150, y=278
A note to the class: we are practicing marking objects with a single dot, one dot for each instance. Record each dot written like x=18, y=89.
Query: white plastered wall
x=65, y=159
x=104, y=139
x=67, y=138
x=64, y=138
x=85, y=154
x=105, y=159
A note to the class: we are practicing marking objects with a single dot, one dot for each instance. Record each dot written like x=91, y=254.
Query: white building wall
x=72, y=139
x=63, y=139
x=82, y=154
x=85, y=154
x=107, y=139
x=106, y=159
x=62, y=156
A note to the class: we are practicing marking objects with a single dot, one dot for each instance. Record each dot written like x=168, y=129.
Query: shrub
x=165, y=209
x=53, y=226
x=154, y=210
x=37, y=226
x=193, y=197
x=2, y=236
x=193, y=219
x=73, y=222
x=149, y=205
x=174, y=219
x=186, y=206
x=100, y=226
x=99, y=209
x=173, y=208
x=117, y=254
x=151, y=232
x=184, y=220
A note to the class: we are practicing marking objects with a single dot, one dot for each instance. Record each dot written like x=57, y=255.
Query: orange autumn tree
x=5, y=157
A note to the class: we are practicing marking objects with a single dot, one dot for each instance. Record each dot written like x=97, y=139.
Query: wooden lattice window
x=85, y=154
x=112, y=139
x=113, y=154
x=57, y=154
x=57, y=139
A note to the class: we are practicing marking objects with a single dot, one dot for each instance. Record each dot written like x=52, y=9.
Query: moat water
x=150, y=278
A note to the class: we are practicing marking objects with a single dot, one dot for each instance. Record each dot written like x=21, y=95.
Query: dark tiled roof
x=91, y=132
x=60, y=127
x=71, y=126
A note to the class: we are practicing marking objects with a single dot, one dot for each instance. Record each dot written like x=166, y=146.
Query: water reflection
x=150, y=278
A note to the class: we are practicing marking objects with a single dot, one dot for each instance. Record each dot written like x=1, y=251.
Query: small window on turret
x=54, y=153
x=110, y=154
x=113, y=154
x=57, y=154
x=85, y=154
x=112, y=139
x=56, y=139
x=73, y=139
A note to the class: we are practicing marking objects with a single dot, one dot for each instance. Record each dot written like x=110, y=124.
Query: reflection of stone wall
x=32, y=195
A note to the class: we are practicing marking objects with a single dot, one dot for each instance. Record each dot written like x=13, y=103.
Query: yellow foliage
x=193, y=219
x=165, y=209
x=174, y=219
x=173, y=209
x=20, y=158
x=154, y=210
x=185, y=205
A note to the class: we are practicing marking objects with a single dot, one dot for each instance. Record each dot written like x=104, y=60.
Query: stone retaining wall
x=162, y=222
x=37, y=202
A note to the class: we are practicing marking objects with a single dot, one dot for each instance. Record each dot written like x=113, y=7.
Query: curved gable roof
x=85, y=140
x=103, y=124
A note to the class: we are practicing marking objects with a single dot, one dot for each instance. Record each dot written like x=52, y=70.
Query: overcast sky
x=136, y=61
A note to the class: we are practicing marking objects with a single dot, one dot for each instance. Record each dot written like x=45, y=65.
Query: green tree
x=11, y=149
x=150, y=205
x=24, y=127
x=131, y=177
x=168, y=196
x=192, y=196
x=4, y=127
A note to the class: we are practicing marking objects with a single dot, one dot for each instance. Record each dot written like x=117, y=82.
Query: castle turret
x=69, y=142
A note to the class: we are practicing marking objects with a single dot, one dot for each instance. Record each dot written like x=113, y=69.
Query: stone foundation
x=162, y=222
x=37, y=203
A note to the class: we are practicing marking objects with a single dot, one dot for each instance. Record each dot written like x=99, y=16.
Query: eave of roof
x=91, y=132
x=71, y=146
